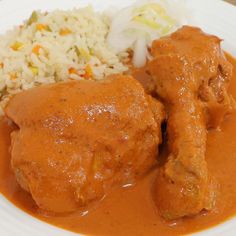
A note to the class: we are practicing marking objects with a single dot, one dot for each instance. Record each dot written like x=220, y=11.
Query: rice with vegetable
x=56, y=46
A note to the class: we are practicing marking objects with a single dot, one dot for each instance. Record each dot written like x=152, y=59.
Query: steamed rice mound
x=56, y=46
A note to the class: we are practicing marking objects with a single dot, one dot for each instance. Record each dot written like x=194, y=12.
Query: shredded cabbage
x=135, y=27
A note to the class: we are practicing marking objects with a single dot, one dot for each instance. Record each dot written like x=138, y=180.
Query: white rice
x=81, y=52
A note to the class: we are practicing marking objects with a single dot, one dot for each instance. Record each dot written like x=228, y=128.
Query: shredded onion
x=135, y=27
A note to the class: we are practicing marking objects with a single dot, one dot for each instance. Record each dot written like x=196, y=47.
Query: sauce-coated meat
x=191, y=76
x=77, y=139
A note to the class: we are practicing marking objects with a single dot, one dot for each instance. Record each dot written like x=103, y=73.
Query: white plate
x=213, y=16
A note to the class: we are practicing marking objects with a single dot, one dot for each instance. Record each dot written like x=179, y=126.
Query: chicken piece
x=78, y=139
x=209, y=66
x=191, y=76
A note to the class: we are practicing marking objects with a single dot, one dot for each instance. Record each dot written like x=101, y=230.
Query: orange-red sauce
x=131, y=211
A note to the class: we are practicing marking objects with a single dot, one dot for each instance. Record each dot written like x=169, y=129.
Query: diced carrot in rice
x=88, y=72
x=65, y=31
x=72, y=70
x=13, y=76
x=41, y=27
x=36, y=49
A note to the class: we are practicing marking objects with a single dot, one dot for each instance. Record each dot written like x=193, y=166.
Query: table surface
x=231, y=1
